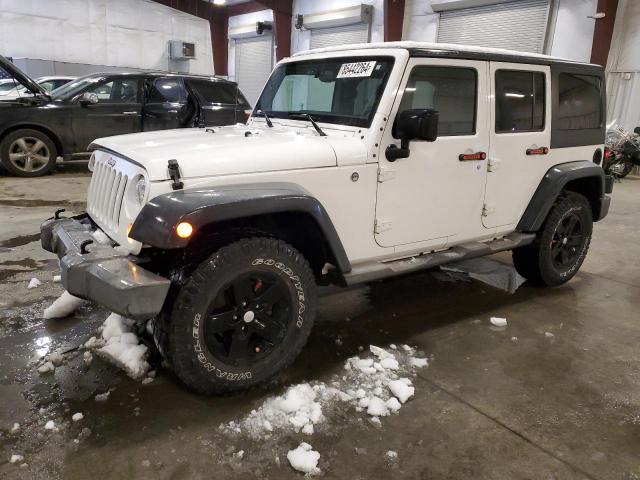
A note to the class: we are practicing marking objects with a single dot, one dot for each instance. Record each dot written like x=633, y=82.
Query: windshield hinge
x=174, y=174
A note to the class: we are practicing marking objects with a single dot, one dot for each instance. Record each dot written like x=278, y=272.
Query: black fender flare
x=552, y=184
x=156, y=223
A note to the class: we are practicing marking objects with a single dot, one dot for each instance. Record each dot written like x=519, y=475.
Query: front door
x=118, y=111
x=520, y=135
x=436, y=193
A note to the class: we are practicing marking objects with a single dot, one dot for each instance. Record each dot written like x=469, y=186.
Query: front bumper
x=99, y=272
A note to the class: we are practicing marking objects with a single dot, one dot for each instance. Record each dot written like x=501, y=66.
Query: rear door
x=221, y=103
x=118, y=111
x=520, y=137
x=167, y=105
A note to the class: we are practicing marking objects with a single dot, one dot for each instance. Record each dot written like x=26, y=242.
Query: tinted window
x=122, y=90
x=334, y=90
x=167, y=90
x=215, y=92
x=520, y=98
x=451, y=91
x=579, y=101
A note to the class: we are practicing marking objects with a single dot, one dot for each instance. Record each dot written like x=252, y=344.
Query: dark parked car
x=37, y=129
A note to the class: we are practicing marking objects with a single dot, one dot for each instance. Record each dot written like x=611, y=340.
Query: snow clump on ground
x=64, y=306
x=304, y=459
x=376, y=384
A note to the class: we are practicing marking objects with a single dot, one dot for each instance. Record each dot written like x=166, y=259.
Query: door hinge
x=383, y=225
x=488, y=209
x=386, y=173
x=493, y=164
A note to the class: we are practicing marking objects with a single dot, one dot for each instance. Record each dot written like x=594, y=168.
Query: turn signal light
x=184, y=230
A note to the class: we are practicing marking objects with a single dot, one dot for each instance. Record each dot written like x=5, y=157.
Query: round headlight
x=141, y=190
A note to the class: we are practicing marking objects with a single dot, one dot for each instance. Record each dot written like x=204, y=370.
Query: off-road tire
x=45, y=157
x=179, y=332
x=536, y=262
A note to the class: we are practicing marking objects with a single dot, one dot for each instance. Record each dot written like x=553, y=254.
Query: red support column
x=603, y=31
x=282, y=28
x=219, y=25
x=393, y=18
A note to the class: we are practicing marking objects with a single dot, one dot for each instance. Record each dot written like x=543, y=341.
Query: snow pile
x=122, y=346
x=34, y=283
x=304, y=459
x=16, y=458
x=64, y=306
x=76, y=417
x=377, y=384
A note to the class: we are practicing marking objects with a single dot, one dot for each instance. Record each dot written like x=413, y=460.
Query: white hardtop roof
x=444, y=47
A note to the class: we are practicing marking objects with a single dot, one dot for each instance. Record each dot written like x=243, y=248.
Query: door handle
x=537, y=151
x=464, y=157
x=130, y=113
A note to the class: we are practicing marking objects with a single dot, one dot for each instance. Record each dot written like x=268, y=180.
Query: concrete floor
x=515, y=403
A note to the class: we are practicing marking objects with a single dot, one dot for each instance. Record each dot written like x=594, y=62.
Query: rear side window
x=579, y=102
x=215, y=92
x=452, y=91
x=167, y=90
x=520, y=100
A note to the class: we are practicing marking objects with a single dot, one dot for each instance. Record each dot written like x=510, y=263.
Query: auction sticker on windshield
x=356, y=69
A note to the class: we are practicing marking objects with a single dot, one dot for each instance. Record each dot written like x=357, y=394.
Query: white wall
x=571, y=31
x=300, y=40
x=238, y=21
x=123, y=33
x=623, y=67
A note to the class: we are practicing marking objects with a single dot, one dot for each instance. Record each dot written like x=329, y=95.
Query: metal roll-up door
x=332, y=36
x=519, y=25
x=254, y=62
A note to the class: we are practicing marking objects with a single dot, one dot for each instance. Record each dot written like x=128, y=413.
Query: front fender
x=157, y=221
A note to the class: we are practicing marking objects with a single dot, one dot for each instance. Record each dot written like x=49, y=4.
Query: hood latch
x=174, y=173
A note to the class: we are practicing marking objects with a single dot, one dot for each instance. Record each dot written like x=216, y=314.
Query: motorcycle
x=621, y=152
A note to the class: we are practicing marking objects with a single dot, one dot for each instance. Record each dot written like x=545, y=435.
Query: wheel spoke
x=242, y=291
x=220, y=322
x=36, y=147
x=571, y=224
x=267, y=329
x=28, y=164
x=574, y=240
x=269, y=296
x=16, y=156
x=40, y=158
x=239, y=345
x=23, y=145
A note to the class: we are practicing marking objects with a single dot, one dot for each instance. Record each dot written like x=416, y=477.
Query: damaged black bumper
x=99, y=272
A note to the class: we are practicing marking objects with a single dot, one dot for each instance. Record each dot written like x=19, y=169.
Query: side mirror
x=636, y=130
x=413, y=124
x=88, y=98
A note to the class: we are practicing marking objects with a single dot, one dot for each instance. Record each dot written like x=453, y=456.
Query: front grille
x=106, y=192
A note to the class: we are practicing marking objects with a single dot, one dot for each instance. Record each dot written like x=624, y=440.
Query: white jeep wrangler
x=358, y=163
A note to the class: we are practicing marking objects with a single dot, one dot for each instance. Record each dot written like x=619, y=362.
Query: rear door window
x=520, y=100
x=167, y=90
x=215, y=91
x=579, y=102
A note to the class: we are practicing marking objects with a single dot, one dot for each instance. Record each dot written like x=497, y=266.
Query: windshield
x=71, y=89
x=333, y=90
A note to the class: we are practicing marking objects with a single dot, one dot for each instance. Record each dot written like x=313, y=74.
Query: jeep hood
x=21, y=77
x=227, y=150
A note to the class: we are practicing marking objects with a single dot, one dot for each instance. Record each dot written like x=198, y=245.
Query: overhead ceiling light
x=219, y=2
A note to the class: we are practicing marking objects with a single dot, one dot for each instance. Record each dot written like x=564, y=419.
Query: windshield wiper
x=306, y=116
x=262, y=113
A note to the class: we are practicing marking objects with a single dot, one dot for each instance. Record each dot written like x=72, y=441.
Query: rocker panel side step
x=376, y=271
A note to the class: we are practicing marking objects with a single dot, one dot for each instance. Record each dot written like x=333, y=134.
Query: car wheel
x=241, y=318
x=28, y=153
x=561, y=245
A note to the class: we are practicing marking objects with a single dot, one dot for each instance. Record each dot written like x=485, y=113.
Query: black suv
x=35, y=130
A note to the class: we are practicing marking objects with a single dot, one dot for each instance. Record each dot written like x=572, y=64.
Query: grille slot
x=106, y=194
